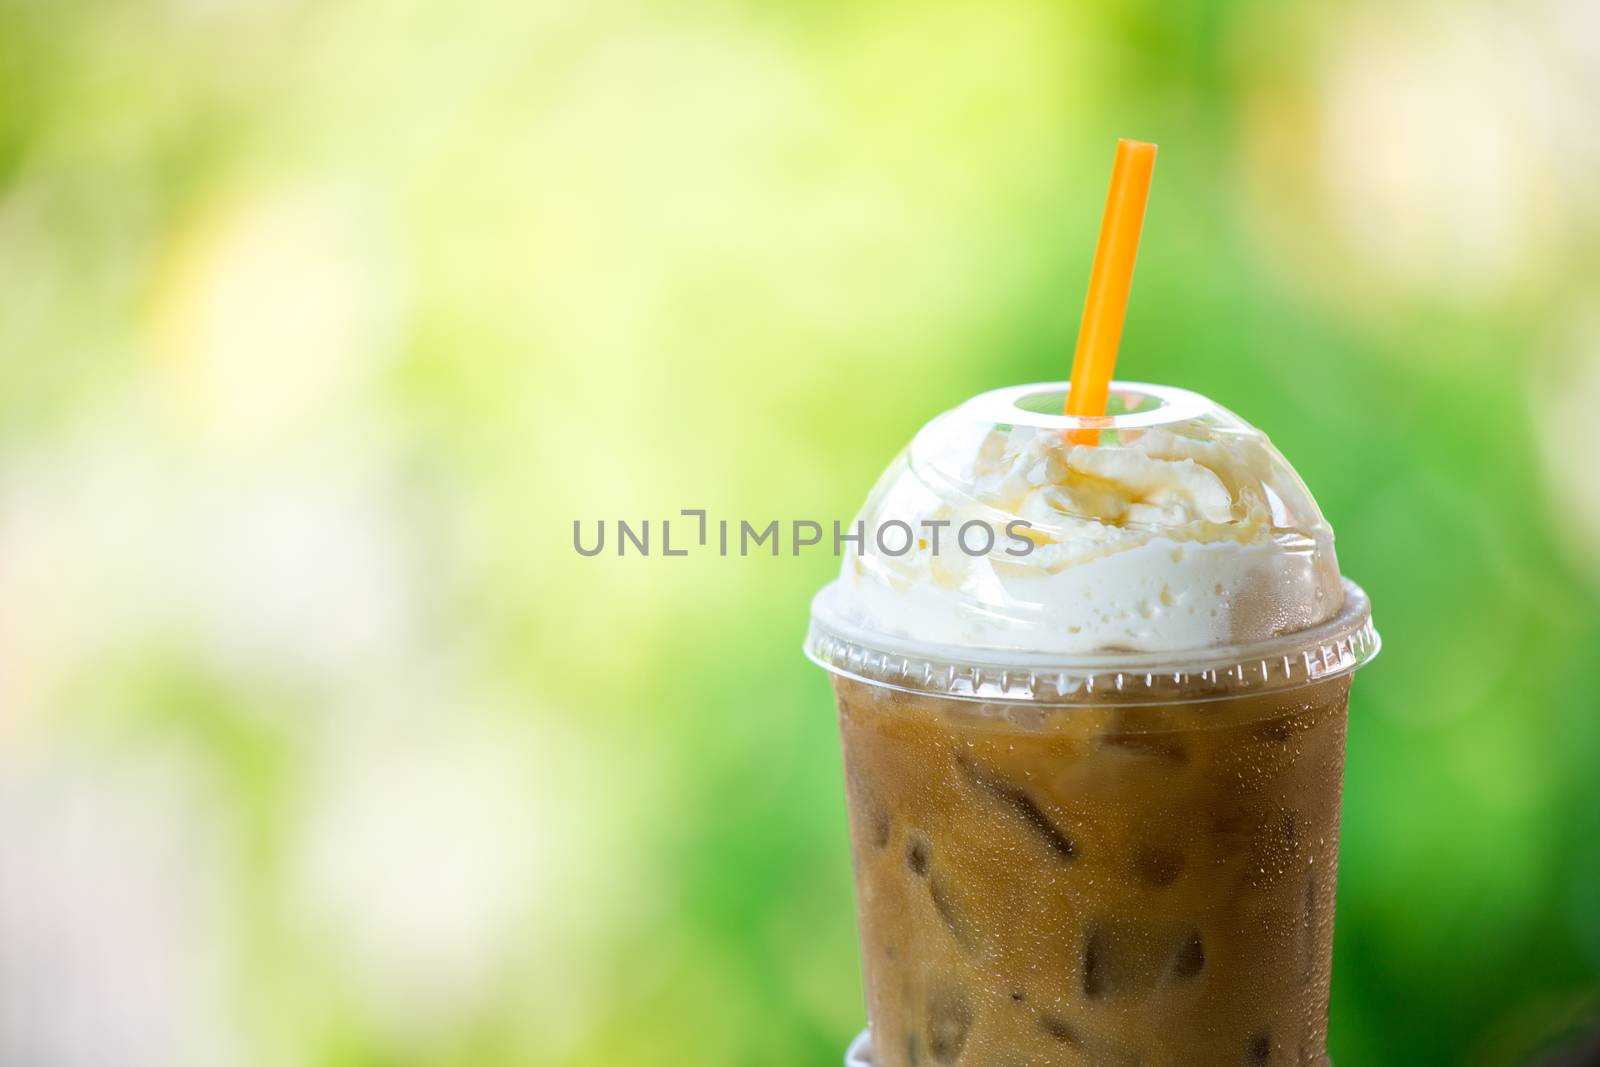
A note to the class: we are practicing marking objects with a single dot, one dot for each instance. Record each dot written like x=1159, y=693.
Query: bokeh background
x=320, y=323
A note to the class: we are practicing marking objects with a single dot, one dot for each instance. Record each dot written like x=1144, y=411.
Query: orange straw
x=1109, y=282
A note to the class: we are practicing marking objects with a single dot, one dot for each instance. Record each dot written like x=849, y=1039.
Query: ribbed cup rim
x=1339, y=646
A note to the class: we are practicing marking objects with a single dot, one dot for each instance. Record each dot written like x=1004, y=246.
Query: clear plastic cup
x=1072, y=854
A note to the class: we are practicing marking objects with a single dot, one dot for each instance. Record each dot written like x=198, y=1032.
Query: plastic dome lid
x=1001, y=541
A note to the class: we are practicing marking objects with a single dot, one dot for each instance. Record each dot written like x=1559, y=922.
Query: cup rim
x=1337, y=647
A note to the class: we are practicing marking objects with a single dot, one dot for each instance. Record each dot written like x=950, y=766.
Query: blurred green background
x=321, y=322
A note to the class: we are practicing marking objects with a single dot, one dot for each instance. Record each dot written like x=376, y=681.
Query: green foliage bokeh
x=320, y=323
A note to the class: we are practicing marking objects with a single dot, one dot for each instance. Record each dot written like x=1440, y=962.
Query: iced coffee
x=1094, y=784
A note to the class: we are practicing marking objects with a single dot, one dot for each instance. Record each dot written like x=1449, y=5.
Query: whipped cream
x=1184, y=535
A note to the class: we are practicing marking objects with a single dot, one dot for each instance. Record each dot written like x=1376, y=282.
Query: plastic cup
x=1092, y=857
